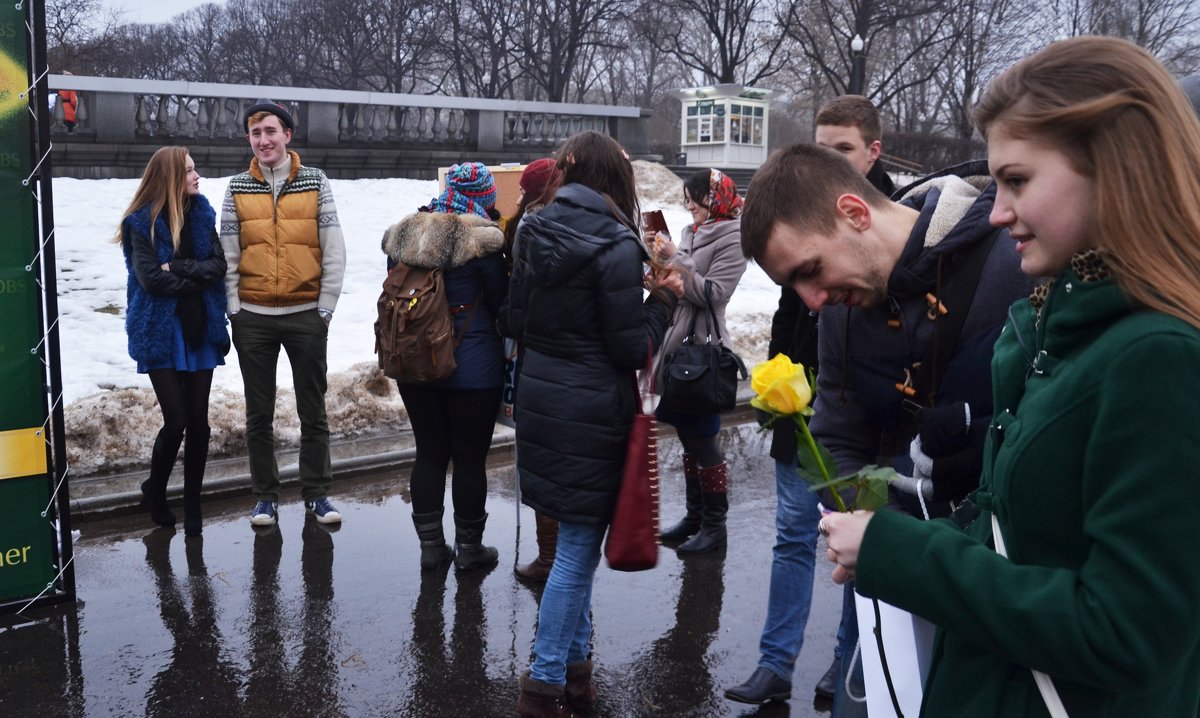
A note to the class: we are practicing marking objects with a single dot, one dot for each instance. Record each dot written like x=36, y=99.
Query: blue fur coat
x=152, y=294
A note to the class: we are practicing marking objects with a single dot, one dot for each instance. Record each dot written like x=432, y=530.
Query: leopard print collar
x=1089, y=265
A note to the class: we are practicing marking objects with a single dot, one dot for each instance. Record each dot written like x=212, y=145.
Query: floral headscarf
x=724, y=203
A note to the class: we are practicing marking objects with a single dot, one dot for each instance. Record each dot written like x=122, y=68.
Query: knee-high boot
x=714, y=498
x=690, y=523
x=154, y=489
x=195, y=459
x=469, y=551
x=547, y=541
x=435, y=553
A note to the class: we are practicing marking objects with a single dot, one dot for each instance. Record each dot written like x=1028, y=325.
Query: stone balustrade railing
x=119, y=110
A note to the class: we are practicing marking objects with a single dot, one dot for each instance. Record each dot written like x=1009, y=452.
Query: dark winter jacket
x=576, y=304
x=152, y=294
x=1090, y=469
x=467, y=248
x=794, y=332
x=860, y=416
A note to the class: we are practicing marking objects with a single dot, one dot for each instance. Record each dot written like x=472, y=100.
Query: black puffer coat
x=575, y=303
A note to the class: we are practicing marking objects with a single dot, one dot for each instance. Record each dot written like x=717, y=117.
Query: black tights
x=450, y=426
x=183, y=398
x=704, y=449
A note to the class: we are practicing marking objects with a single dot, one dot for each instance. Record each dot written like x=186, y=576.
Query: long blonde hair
x=1120, y=119
x=163, y=188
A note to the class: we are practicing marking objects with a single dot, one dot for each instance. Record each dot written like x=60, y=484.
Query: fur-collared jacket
x=467, y=248
x=152, y=294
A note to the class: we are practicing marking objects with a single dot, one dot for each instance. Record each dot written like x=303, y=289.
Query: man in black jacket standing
x=851, y=126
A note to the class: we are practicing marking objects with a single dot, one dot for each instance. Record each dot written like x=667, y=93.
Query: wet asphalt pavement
x=301, y=620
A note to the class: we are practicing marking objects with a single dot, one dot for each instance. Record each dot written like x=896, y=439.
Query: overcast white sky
x=154, y=11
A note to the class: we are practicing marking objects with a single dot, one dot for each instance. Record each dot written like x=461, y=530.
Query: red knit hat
x=538, y=177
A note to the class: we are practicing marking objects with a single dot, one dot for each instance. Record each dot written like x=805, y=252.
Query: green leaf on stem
x=873, y=487
x=809, y=468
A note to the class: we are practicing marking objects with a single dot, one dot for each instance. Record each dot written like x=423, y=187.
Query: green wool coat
x=1091, y=467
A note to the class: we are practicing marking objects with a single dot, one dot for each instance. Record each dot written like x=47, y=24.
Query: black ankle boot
x=195, y=458
x=468, y=545
x=435, y=553
x=154, y=489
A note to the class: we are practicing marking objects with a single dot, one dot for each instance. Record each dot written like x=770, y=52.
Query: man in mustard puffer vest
x=287, y=258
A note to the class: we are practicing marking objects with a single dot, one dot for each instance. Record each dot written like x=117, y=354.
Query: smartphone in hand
x=653, y=221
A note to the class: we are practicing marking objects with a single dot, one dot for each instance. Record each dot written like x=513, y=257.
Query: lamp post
x=858, y=65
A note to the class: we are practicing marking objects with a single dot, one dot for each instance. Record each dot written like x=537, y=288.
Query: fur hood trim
x=433, y=240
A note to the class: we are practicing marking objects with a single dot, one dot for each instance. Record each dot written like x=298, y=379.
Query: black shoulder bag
x=702, y=378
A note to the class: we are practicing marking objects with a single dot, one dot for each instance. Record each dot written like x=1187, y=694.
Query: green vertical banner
x=26, y=549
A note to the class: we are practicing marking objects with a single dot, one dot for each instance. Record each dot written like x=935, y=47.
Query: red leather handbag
x=632, y=543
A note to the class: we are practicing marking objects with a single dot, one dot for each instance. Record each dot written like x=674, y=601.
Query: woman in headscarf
x=709, y=258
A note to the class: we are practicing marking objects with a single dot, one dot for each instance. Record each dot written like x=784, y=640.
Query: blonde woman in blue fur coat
x=175, y=319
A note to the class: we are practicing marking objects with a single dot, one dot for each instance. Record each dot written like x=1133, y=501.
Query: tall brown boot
x=687, y=526
x=542, y=700
x=581, y=689
x=714, y=500
x=547, y=540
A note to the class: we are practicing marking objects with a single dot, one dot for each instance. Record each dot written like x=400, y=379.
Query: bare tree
x=492, y=30
x=407, y=41
x=647, y=69
x=79, y=33
x=895, y=33
x=262, y=42
x=1167, y=28
x=557, y=35
x=201, y=32
x=727, y=41
x=989, y=36
x=342, y=38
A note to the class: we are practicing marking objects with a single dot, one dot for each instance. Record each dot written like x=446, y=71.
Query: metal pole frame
x=62, y=589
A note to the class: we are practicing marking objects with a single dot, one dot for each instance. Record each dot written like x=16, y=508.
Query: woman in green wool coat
x=1090, y=468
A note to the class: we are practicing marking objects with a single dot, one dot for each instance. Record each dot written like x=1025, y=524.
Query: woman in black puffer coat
x=576, y=304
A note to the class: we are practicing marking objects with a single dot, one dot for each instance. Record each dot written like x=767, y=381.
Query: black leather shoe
x=827, y=686
x=763, y=686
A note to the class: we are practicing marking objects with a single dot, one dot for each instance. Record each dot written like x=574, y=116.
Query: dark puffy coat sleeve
x=479, y=355
x=626, y=322
x=149, y=271
x=205, y=271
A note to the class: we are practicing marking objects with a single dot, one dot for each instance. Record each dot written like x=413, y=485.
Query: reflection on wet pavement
x=265, y=622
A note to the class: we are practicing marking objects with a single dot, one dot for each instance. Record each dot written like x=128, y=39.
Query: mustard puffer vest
x=280, y=264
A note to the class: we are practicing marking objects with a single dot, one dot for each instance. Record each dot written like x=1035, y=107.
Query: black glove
x=948, y=450
x=943, y=429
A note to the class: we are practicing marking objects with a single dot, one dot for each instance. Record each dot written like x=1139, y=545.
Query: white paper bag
x=512, y=370
x=908, y=643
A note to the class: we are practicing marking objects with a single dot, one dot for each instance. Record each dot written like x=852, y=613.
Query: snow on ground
x=110, y=409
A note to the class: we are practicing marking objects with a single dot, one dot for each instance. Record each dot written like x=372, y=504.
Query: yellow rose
x=766, y=373
x=781, y=386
